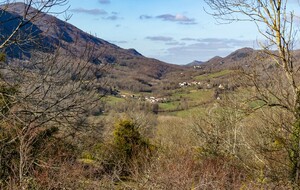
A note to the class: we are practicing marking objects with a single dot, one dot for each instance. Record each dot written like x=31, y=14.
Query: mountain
x=240, y=54
x=245, y=58
x=235, y=57
x=240, y=58
x=49, y=33
x=194, y=63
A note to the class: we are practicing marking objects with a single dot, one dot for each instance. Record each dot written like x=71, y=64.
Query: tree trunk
x=296, y=143
x=21, y=162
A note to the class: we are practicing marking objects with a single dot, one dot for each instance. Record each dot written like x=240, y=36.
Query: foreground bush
x=127, y=151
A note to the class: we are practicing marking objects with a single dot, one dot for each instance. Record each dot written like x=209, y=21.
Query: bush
x=128, y=151
x=128, y=141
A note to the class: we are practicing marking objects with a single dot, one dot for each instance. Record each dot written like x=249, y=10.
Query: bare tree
x=47, y=96
x=52, y=96
x=275, y=21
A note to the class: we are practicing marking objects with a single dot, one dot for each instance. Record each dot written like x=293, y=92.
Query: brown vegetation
x=56, y=131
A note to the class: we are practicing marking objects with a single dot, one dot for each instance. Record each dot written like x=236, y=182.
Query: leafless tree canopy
x=280, y=88
x=48, y=95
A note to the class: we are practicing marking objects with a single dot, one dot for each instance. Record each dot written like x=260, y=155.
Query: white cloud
x=104, y=1
x=89, y=11
x=177, y=18
x=160, y=38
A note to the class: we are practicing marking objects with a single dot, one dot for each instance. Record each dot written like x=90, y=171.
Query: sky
x=173, y=31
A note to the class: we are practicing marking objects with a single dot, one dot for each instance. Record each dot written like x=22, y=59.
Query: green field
x=111, y=100
x=213, y=75
x=169, y=105
x=186, y=99
x=196, y=111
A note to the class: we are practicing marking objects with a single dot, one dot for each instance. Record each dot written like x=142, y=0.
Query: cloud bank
x=160, y=38
x=104, y=1
x=89, y=11
x=178, y=18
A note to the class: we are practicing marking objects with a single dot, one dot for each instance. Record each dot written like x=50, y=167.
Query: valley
x=79, y=112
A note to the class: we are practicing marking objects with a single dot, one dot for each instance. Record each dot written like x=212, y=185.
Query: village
x=199, y=85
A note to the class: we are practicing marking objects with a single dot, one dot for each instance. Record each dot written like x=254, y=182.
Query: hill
x=245, y=58
x=194, y=63
x=239, y=58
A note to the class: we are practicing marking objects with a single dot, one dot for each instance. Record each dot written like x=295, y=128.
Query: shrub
x=128, y=141
x=128, y=151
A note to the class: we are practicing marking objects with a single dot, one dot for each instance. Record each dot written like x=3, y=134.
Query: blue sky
x=174, y=31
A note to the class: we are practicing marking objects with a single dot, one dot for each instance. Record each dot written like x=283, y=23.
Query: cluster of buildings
x=150, y=99
x=182, y=84
x=204, y=85
x=155, y=100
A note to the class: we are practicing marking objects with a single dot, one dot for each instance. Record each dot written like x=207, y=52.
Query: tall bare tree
x=275, y=21
x=47, y=96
